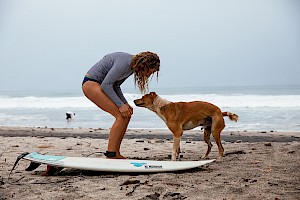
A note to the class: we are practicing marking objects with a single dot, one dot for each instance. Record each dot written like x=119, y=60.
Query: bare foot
x=117, y=157
x=121, y=157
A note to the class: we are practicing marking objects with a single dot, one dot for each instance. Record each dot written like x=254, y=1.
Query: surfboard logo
x=153, y=167
x=138, y=164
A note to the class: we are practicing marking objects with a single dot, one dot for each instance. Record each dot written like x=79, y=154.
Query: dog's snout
x=138, y=102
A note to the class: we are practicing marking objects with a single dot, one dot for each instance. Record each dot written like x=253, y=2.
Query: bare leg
x=116, y=135
x=94, y=92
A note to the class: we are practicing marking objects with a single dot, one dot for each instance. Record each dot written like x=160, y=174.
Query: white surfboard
x=113, y=165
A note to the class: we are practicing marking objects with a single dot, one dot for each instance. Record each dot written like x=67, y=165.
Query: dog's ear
x=153, y=94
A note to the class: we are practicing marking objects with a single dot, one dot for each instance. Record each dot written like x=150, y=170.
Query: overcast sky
x=50, y=44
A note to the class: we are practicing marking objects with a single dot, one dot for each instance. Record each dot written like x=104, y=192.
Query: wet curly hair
x=142, y=63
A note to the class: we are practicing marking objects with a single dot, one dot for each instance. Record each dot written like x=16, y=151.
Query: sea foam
x=232, y=101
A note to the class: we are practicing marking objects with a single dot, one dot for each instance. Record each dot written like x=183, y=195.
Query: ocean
x=260, y=108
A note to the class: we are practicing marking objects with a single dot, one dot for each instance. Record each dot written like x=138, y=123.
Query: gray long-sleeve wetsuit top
x=111, y=71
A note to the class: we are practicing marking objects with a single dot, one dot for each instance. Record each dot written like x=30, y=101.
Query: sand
x=256, y=165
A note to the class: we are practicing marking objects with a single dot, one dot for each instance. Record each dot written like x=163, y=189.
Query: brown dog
x=180, y=116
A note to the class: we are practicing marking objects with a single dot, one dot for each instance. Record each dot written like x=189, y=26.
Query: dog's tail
x=232, y=116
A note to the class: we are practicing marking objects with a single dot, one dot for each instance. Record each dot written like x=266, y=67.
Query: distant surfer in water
x=70, y=116
x=101, y=85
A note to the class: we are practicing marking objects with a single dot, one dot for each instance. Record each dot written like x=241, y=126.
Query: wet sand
x=256, y=165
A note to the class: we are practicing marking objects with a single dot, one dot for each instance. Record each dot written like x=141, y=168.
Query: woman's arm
x=117, y=89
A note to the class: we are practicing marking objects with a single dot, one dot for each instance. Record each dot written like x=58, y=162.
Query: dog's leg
x=177, y=133
x=218, y=125
x=176, y=147
x=207, y=132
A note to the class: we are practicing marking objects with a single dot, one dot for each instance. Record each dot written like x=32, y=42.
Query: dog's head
x=146, y=101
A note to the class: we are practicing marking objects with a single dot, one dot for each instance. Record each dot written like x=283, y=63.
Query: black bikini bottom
x=87, y=78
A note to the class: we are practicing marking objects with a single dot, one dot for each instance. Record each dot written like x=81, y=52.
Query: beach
x=256, y=165
x=238, y=58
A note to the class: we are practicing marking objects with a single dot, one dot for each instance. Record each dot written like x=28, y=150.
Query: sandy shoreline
x=193, y=135
x=256, y=165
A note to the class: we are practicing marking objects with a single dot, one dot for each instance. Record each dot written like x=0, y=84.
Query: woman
x=101, y=85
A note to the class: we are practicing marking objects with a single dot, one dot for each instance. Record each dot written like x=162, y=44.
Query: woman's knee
x=120, y=118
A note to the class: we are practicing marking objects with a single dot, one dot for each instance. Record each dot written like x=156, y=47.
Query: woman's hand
x=130, y=108
x=126, y=110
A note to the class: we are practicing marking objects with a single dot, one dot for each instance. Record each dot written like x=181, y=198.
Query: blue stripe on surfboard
x=138, y=164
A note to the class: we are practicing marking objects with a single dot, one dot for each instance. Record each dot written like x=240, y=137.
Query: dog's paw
x=219, y=159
